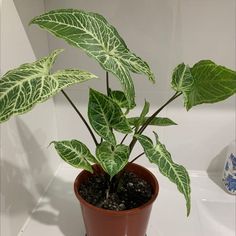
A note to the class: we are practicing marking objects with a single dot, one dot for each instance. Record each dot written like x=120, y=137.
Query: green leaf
x=182, y=78
x=92, y=33
x=112, y=159
x=205, y=82
x=158, y=121
x=159, y=155
x=75, y=153
x=105, y=114
x=120, y=98
x=32, y=83
x=142, y=115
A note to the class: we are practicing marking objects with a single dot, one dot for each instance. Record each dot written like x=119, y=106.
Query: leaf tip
x=156, y=137
x=33, y=21
x=188, y=107
x=52, y=142
x=152, y=77
x=188, y=209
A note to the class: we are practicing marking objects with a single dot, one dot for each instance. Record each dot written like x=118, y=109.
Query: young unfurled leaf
x=205, y=82
x=75, y=153
x=158, y=121
x=105, y=114
x=159, y=155
x=141, y=118
x=100, y=40
x=32, y=83
x=112, y=159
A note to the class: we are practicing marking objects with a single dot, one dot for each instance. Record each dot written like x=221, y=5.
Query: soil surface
x=128, y=192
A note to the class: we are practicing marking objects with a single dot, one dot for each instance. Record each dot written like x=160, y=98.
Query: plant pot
x=102, y=222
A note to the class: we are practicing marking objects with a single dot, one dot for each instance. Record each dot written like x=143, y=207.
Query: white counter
x=213, y=210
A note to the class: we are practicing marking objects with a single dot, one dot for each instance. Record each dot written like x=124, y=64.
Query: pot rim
x=123, y=212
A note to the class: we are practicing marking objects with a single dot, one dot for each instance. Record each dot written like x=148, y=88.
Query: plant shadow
x=27, y=10
x=23, y=185
x=59, y=207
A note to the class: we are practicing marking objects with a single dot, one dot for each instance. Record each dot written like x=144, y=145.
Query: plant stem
x=123, y=139
x=149, y=120
x=81, y=116
x=107, y=83
x=137, y=157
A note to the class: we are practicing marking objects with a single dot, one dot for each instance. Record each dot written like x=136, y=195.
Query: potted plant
x=112, y=189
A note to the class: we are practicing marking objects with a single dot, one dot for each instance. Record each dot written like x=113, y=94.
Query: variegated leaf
x=182, y=78
x=205, y=82
x=159, y=155
x=105, y=114
x=158, y=121
x=100, y=40
x=75, y=153
x=112, y=159
x=119, y=98
x=22, y=88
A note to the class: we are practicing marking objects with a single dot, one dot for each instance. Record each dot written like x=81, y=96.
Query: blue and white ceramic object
x=229, y=174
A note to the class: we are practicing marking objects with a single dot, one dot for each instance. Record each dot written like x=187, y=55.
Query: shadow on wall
x=60, y=211
x=36, y=157
x=216, y=167
x=27, y=10
x=14, y=182
x=64, y=213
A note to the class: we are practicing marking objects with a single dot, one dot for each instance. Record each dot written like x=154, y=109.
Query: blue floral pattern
x=229, y=176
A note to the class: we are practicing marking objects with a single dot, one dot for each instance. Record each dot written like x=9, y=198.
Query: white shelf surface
x=213, y=210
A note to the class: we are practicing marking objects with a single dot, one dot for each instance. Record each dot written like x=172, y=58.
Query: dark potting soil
x=129, y=192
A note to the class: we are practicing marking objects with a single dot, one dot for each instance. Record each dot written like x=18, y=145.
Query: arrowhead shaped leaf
x=205, y=82
x=105, y=114
x=112, y=160
x=100, y=40
x=22, y=88
x=75, y=153
x=158, y=121
x=161, y=157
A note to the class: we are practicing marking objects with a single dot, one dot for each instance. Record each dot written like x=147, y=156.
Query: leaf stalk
x=137, y=157
x=81, y=116
x=149, y=120
x=107, y=83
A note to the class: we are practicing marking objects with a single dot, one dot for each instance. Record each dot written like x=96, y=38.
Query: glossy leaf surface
x=75, y=153
x=104, y=115
x=120, y=98
x=159, y=155
x=205, y=82
x=32, y=83
x=100, y=40
x=112, y=159
x=158, y=121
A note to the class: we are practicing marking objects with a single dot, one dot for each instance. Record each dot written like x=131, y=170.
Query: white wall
x=27, y=164
x=164, y=33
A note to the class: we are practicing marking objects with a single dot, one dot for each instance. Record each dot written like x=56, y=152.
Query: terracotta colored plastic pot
x=102, y=222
